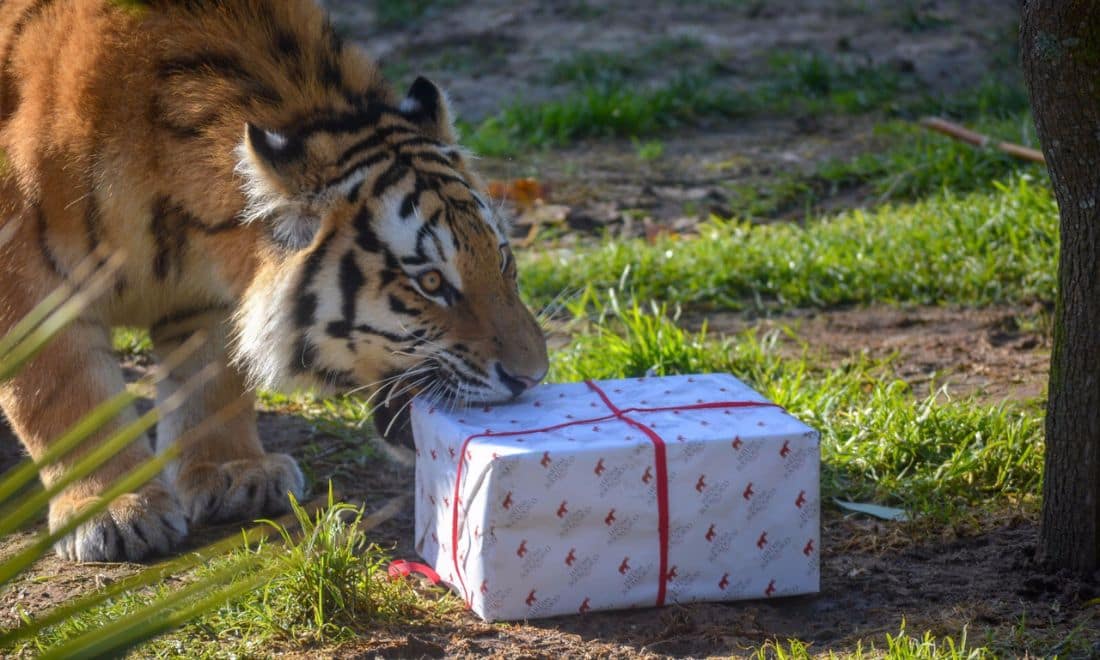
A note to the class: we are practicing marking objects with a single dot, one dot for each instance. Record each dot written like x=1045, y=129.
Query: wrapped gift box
x=618, y=494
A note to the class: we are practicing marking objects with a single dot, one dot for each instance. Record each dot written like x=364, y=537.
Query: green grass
x=895, y=647
x=881, y=440
x=613, y=100
x=624, y=95
x=323, y=582
x=975, y=249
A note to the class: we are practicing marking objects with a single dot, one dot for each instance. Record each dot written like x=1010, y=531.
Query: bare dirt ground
x=981, y=574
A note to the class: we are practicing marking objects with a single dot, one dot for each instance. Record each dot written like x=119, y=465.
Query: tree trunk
x=1060, y=47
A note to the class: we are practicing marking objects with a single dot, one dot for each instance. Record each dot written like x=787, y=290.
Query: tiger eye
x=430, y=281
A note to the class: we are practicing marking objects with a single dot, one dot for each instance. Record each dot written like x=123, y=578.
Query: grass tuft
x=327, y=579
x=321, y=581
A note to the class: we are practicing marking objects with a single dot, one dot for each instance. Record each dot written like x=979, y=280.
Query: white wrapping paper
x=563, y=495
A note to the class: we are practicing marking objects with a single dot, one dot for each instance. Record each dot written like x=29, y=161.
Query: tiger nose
x=516, y=383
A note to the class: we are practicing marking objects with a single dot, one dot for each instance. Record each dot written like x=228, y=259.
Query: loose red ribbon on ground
x=660, y=464
x=400, y=568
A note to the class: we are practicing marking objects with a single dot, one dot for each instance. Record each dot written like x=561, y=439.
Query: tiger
x=268, y=190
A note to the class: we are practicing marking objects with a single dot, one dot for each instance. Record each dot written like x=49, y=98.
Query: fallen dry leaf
x=524, y=193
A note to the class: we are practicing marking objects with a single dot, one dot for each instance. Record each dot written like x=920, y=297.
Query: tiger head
x=384, y=269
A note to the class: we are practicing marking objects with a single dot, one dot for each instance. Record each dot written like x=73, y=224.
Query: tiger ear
x=271, y=166
x=427, y=106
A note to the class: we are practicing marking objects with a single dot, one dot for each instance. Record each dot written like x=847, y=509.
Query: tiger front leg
x=223, y=473
x=75, y=373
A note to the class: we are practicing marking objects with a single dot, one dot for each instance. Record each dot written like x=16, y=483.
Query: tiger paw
x=239, y=490
x=134, y=526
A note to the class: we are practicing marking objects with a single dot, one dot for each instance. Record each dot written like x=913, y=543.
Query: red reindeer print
x=770, y=590
x=571, y=557
x=562, y=510
x=762, y=541
x=446, y=501
x=624, y=567
x=701, y=484
x=809, y=549
x=748, y=492
x=469, y=455
x=801, y=499
x=610, y=519
x=431, y=498
x=785, y=451
x=451, y=451
x=545, y=462
x=521, y=551
x=477, y=532
x=737, y=443
x=434, y=455
x=531, y=600
x=724, y=583
x=710, y=534
x=648, y=476
x=671, y=575
x=484, y=586
x=507, y=503
x=583, y=609
x=599, y=468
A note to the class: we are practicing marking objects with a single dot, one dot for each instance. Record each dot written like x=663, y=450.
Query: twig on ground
x=963, y=134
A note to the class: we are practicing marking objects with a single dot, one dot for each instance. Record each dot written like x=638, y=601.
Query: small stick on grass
x=963, y=134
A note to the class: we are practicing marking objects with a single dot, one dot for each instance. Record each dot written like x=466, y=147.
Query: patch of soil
x=997, y=353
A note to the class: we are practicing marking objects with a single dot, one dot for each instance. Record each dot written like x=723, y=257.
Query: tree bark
x=1060, y=49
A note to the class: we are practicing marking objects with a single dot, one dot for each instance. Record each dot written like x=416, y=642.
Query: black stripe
x=222, y=66
x=339, y=329
x=365, y=236
x=372, y=141
x=391, y=177
x=392, y=336
x=44, y=243
x=305, y=310
x=351, y=281
x=414, y=261
x=408, y=205
x=373, y=159
x=170, y=226
x=470, y=365
x=183, y=315
x=399, y=307
x=306, y=305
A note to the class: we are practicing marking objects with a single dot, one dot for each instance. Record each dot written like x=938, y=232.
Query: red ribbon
x=400, y=568
x=660, y=462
